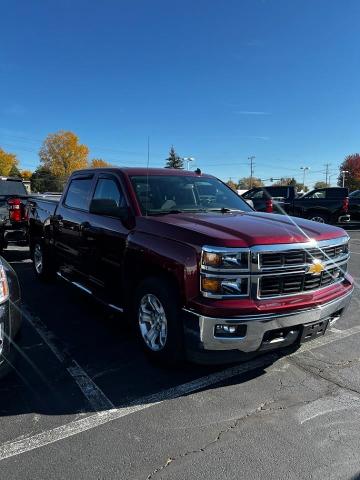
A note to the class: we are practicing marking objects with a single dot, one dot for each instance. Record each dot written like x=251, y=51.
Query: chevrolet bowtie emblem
x=316, y=268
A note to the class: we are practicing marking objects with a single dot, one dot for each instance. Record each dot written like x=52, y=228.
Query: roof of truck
x=144, y=171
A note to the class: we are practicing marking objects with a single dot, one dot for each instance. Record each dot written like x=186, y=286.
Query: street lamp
x=188, y=160
x=343, y=173
x=304, y=169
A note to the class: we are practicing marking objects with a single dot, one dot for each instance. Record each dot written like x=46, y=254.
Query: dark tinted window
x=12, y=187
x=277, y=192
x=79, y=193
x=316, y=194
x=355, y=194
x=107, y=189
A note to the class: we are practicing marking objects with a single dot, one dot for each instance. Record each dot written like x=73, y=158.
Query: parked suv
x=194, y=267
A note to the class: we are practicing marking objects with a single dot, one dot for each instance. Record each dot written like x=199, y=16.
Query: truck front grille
x=286, y=270
x=300, y=257
x=292, y=284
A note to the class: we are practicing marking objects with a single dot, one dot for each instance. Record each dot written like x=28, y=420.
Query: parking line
x=93, y=394
x=82, y=425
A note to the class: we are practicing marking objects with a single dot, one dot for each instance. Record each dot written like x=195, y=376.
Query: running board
x=89, y=292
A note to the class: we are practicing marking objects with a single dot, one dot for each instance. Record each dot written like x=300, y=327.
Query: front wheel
x=159, y=326
x=43, y=267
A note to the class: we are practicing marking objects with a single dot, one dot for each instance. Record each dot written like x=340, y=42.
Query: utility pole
x=327, y=165
x=251, y=158
x=343, y=173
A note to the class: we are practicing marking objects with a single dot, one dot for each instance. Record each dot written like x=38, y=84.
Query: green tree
x=7, y=162
x=320, y=184
x=42, y=180
x=174, y=160
x=14, y=172
x=246, y=183
x=351, y=165
x=61, y=153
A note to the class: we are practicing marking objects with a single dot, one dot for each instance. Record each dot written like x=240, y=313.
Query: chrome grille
x=286, y=272
x=300, y=257
x=299, y=283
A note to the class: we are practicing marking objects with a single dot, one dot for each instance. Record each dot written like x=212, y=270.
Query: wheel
x=157, y=317
x=318, y=217
x=41, y=262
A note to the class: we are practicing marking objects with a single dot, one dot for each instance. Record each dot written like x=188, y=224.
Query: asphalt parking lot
x=85, y=403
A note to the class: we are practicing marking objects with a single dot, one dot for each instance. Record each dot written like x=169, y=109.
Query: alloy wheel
x=152, y=322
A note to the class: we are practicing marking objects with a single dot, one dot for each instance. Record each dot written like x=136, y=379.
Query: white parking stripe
x=93, y=394
x=73, y=428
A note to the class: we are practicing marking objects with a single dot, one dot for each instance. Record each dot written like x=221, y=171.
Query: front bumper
x=258, y=325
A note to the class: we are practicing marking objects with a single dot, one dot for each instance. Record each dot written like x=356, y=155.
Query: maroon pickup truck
x=197, y=271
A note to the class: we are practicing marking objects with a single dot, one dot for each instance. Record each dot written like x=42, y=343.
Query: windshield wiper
x=224, y=210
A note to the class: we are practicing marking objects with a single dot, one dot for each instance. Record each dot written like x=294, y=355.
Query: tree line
x=61, y=153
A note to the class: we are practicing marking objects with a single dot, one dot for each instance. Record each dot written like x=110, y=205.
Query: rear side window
x=12, y=187
x=107, y=189
x=78, y=194
x=277, y=192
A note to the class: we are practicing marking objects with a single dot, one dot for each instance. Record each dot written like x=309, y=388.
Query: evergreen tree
x=43, y=180
x=14, y=172
x=174, y=161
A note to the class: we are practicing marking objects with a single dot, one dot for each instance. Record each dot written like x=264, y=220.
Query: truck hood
x=240, y=229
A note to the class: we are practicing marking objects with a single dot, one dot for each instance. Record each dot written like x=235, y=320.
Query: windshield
x=159, y=194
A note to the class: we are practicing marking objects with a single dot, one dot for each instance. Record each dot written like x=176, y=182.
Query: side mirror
x=108, y=208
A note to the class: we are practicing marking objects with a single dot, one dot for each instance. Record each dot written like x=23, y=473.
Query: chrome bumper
x=258, y=325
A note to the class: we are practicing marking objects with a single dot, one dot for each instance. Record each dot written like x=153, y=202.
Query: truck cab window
x=78, y=193
x=107, y=189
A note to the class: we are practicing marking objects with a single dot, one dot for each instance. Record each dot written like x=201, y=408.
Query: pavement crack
x=263, y=408
x=320, y=374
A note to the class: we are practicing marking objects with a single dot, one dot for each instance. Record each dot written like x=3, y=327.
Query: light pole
x=304, y=169
x=343, y=173
x=188, y=160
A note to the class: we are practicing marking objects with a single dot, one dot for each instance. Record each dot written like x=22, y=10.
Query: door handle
x=86, y=230
x=58, y=219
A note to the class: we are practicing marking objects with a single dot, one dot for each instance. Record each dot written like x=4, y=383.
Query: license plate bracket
x=310, y=331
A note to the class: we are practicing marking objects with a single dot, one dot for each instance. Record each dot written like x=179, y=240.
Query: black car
x=354, y=206
x=10, y=315
x=324, y=205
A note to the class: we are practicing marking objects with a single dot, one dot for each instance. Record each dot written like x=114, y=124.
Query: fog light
x=230, y=330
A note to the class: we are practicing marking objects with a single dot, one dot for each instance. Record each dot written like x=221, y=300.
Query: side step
x=89, y=292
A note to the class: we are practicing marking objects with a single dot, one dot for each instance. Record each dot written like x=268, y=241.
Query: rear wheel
x=42, y=264
x=157, y=317
x=319, y=217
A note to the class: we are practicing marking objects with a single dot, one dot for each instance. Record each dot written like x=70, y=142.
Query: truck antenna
x=147, y=176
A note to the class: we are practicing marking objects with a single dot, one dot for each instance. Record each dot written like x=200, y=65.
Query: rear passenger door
x=68, y=222
x=104, y=240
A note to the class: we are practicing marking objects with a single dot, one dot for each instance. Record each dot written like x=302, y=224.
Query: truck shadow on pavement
x=100, y=343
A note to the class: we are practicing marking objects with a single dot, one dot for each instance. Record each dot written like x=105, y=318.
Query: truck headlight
x=227, y=259
x=224, y=287
x=225, y=272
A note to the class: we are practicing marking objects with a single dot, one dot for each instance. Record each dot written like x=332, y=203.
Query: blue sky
x=221, y=80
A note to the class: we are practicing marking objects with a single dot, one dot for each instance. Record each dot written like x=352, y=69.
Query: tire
x=42, y=264
x=156, y=316
x=318, y=217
